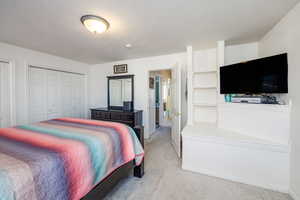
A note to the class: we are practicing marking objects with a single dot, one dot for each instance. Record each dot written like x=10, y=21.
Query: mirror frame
x=108, y=91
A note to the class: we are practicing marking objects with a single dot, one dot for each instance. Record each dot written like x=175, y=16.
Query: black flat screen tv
x=264, y=75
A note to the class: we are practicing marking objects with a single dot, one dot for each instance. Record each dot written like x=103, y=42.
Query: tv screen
x=265, y=75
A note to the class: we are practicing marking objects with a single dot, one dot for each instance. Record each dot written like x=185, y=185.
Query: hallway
x=164, y=179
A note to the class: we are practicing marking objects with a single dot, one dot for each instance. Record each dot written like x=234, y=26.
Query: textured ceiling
x=153, y=27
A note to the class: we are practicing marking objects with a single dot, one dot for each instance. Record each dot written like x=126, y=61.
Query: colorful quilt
x=62, y=159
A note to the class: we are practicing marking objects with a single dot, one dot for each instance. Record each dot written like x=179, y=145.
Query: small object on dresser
x=127, y=106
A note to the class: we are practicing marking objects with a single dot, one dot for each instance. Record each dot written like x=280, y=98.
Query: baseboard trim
x=293, y=194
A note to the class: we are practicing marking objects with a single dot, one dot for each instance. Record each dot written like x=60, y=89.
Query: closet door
x=53, y=94
x=37, y=94
x=78, y=95
x=66, y=94
x=5, y=97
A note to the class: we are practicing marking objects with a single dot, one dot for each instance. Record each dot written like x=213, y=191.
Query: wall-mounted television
x=264, y=75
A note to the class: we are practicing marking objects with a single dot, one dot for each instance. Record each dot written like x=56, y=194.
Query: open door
x=176, y=109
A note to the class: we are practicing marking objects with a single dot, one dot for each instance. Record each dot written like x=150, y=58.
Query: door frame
x=148, y=93
x=12, y=89
x=45, y=67
x=178, y=114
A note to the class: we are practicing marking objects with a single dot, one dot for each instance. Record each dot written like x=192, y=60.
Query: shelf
x=205, y=72
x=251, y=107
x=204, y=104
x=205, y=96
x=206, y=87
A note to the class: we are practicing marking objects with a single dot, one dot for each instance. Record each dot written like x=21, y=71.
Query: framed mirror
x=120, y=92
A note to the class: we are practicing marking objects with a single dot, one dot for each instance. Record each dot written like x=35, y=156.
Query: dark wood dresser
x=134, y=119
x=131, y=118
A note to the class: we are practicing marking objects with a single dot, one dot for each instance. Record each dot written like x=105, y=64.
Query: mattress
x=62, y=159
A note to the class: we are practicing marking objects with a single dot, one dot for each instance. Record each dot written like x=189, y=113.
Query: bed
x=65, y=159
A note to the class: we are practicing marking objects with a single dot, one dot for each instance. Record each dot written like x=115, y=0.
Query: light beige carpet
x=164, y=180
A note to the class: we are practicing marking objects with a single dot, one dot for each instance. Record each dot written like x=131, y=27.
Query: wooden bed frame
x=106, y=185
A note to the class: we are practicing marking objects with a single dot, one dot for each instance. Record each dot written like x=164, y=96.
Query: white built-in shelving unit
x=204, y=86
x=219, y=132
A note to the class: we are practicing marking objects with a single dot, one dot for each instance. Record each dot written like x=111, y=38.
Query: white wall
x=285, y=37
x=140, y=68
x=239, y=53
x=21, y=58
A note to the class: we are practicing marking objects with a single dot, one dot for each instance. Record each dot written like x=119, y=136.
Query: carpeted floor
x=164, y=180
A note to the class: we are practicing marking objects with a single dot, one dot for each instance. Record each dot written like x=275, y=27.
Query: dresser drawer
x=115, y=116
x=127, y=117
x=122, y=116
x=100, y=115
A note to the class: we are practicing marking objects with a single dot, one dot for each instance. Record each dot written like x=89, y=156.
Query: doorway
x=159, y=99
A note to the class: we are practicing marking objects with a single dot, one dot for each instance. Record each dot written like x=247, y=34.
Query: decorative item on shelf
x=151, y=83
x=228, y=97
x=120, y=69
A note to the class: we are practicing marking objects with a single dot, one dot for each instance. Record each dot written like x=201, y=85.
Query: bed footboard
x=139, y=170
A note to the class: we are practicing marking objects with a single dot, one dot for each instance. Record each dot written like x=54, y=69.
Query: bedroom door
x=5, y=95
x=176, y=109
x=152, y=107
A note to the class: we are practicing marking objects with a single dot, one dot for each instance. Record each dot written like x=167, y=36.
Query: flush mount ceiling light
x=94, y=23
x=128, y=46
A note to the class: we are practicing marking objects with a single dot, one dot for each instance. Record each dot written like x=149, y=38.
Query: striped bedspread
x=62, y=159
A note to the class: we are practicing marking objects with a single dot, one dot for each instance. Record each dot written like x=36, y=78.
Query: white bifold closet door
x=5, y=95
x=72, y=96
x=54, y=94
x=37, y=94
x=67, y=94
x=78, y=96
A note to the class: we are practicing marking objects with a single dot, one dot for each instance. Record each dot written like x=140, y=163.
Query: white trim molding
x=294, y=194
x=12, y=89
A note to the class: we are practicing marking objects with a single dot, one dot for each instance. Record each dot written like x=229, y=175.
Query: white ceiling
x=153, y=27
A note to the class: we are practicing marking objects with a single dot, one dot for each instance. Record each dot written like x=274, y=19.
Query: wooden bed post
x=139, y=170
